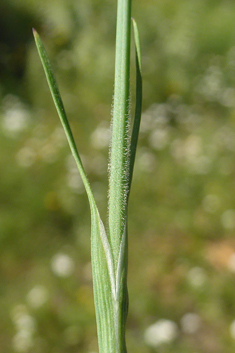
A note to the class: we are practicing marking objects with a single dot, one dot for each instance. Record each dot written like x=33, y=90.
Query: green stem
x=119, y=155
x=119, y=168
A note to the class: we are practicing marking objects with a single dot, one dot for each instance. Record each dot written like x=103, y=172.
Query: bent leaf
x=102, y=261
x=61, y=111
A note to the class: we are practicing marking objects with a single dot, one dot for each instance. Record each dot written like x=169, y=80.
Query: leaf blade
x=102, y=261
x=61, y=111
x=138, y=104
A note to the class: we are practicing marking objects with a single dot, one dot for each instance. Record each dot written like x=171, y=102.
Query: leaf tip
x=133, y=20
x=35, y=33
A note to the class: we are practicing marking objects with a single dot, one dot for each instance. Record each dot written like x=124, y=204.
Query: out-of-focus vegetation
x=182, y=206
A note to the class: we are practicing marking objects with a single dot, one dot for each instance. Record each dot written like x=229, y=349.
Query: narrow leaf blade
x=102, y=259
x=61, y=111
x=138, y=104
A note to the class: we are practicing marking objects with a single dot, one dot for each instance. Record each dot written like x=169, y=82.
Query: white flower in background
x=197, y=277
x=25, y=325
x=228, y=219
x=232, y=329
x=192, y=147
x=22, y=320
x=190, y=323
x=189, y=152
x=100, y=138
x=15, y=120
x=211, y=203
x=159, y=138
x=37, y=296
x=163, y=331
x=62, y=265
x=192, y=153
x=22, y=341
x=16, y=116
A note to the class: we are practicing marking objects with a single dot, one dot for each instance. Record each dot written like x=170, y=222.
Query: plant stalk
x=119, y=169
x=119, y=156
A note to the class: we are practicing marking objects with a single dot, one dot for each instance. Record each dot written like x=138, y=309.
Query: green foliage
x=109, y=254
x=181, y=228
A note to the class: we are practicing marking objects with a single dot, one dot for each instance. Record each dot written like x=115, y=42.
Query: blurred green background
x=182, y=206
